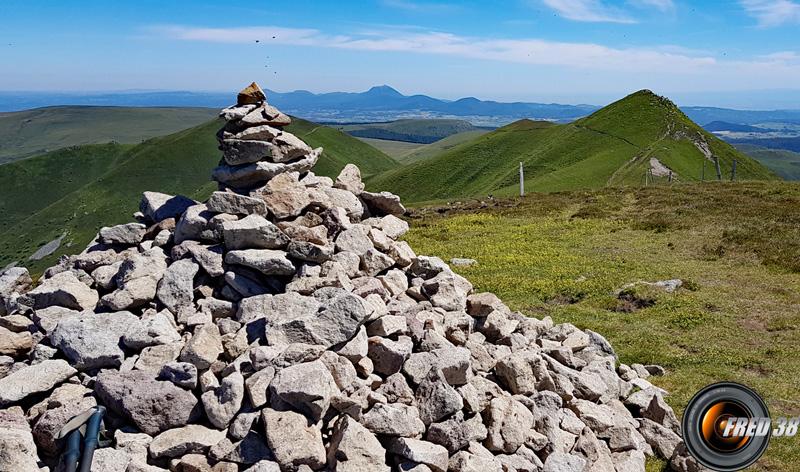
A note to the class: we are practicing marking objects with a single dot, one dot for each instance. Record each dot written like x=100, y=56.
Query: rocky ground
x=282, y=326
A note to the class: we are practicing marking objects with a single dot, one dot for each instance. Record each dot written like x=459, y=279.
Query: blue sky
x=726, y=53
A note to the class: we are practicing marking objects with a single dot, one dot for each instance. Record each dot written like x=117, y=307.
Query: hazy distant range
x=381, y=103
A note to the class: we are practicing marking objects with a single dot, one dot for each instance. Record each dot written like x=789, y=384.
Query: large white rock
x=308, y=387
x=188, y=439
x=253, y=232
x=17, y=449
x=293, y=441
x=354, y=449
x=92, y=340
x=64, y=289
x=34, y=379
x=266, y=261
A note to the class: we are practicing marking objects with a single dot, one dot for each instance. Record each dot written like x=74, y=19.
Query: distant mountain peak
x=384, y=90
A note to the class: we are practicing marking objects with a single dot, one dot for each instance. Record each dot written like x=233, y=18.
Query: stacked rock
x=283, y=326
x=254, y=147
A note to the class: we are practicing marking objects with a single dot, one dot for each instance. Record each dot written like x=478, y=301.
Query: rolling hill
x=788, y=143
x=716, y=126
x=394, y=149
x=440, y=146
x=614, y=146
x=31, y=132
x=379, y=103
x=423, y=131
x=73, y=191
x=784, y=163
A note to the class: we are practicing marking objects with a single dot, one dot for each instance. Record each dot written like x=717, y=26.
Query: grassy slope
x=473, y=168
x=37, y=182
x=784, y=163
x=394, y=149
x=737, y=247
x=611, y=147
x=440, y=146
x=340, y=149
x=180, y=163
x=410, y=130
x=36, y=131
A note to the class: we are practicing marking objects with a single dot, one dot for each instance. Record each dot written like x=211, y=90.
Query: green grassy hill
x=784, y=163
x=30, y=132
x=424, y=131
x=441, y=146
x=340, y=149
x=75, y=191
x=613, y=146
x=394, y=149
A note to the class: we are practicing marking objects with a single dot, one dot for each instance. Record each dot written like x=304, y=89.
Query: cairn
x=283, y=326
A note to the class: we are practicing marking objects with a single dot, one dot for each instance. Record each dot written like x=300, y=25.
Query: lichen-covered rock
x=33, y=379
x=93, y=340
x=185, y=440
x=66, y=290
x=353, y=448
x=308, y=387
x=222, y=403
x=17, y=449
x=293, y=441
x=152, y=405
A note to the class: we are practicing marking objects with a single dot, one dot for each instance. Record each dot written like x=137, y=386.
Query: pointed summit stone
x=251, y=95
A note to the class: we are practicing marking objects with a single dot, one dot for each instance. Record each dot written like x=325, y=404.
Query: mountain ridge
x=379, y=103
x=616, y=145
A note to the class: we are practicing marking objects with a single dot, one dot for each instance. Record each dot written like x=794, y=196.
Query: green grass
x=440, y=146
x=31, y=132
x=611, y=147
x=784, y=163
x=340, y=149
x=394, y=149
x=407, y=153
x=737, y=247
x=422, y=130
x=37, y=182
x=78, y=190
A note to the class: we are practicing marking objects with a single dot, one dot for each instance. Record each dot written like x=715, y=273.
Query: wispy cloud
x=593, y=11
x=770, y=13
x=662, y=5
x=526, y=51
x=415, y=6
x=782, y=57
x=655, y=66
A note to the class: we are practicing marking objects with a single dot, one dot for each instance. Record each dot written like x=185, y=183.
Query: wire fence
x=710, y=172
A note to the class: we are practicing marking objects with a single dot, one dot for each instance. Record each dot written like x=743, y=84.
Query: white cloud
x=662, y=5
x=667, y=65
x=782, y=57
x=772, y=12
x=526, y=51
x=588, y=11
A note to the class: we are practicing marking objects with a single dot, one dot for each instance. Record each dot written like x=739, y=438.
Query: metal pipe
x=72, y=452
x=90, y=441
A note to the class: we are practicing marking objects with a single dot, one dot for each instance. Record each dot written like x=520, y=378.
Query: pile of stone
x=282, y=326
